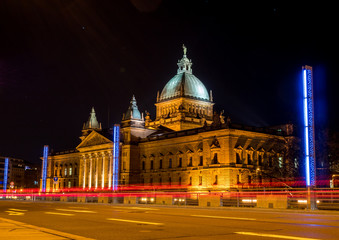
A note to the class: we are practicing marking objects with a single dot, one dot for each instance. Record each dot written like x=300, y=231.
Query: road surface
x=107, y=221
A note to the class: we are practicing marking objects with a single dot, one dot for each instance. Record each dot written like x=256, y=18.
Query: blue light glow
x=116, y=148
x=44, y=168
x=308, y=126
x=5, y=175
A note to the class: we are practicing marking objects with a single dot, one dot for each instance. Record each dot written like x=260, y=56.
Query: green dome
x=184, y=83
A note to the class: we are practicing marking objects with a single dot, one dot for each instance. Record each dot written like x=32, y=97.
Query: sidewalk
x=13, y=230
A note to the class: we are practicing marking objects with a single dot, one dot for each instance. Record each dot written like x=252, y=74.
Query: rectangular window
x=65, y=172
x=160, y=164
x=143, y=165
x=216, y=180
x=190, y=162
x=201, y=161
x=200, y=180
x=180, y=162
x=152, y=164
x=237, y=158
x=238, y=179
x=260, y=160
x=249, y=159
x=70, y=171
x=280, y=162
x=170, y=163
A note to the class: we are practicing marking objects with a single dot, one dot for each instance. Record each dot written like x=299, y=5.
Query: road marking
x=234, y=218
x=79, y=207
x=275, y=236
x=36, y=232
x=133, y=221
x=74, y=210
x=20, y=210
x=14, y=213
x=139, y=208
x=63, y=214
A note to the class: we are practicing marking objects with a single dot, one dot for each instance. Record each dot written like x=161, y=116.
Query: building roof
x=92, y=122
x=184, y=83
x=132, y=111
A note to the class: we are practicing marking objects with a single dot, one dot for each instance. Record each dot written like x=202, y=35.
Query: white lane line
x=133, y=221
x=275, y=236
x=74, y=210
x=14, y=213
x=221, y=217
x=139, y=208
x=15, y=209
x=79, y=207
x=63, y=214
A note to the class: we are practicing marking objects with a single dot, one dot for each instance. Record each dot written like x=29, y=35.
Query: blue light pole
x=44, y=169
x=116, y=149
x=308, y=109
x=5, y=175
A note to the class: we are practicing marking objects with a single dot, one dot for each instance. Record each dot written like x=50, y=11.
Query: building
x=187, y=145
x=15, y=173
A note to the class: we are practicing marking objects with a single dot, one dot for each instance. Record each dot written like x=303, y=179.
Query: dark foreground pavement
x=100, y=221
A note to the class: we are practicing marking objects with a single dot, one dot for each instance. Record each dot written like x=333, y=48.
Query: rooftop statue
x=185, y=49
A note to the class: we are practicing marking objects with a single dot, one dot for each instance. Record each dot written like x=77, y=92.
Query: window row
x=171, y=164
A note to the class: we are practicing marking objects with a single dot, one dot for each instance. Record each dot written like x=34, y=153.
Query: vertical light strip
x=116, y=146
x=309, y=126
x=44, y=168
x=5, y=174
x=307, y=160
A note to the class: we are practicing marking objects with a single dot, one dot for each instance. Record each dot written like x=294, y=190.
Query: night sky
x=60, y=58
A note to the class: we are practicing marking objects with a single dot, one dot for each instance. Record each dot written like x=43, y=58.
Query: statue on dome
x=185, y=49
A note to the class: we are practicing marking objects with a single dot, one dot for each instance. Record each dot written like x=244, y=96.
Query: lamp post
x=308, y=111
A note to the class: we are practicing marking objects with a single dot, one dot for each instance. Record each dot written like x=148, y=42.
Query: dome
x=184, y=84
x=132, y=111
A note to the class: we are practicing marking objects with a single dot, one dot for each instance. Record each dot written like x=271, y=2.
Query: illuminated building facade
x=14, y=169
x=187, y=145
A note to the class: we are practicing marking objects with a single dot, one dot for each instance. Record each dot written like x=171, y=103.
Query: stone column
x=110, y=156
x=90, y=172
x=96, y=169
x=84, y=172
x=103, y=170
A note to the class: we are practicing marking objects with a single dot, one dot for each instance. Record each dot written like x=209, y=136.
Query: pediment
x=94, y=139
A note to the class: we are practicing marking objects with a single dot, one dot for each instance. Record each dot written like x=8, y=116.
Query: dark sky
x=60, y=58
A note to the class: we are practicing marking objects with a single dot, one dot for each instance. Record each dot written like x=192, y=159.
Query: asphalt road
x=107, y=221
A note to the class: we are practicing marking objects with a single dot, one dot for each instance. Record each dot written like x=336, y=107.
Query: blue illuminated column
x=44, y=169
x=5, y=175
x=309, y=126
x=116, y=150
